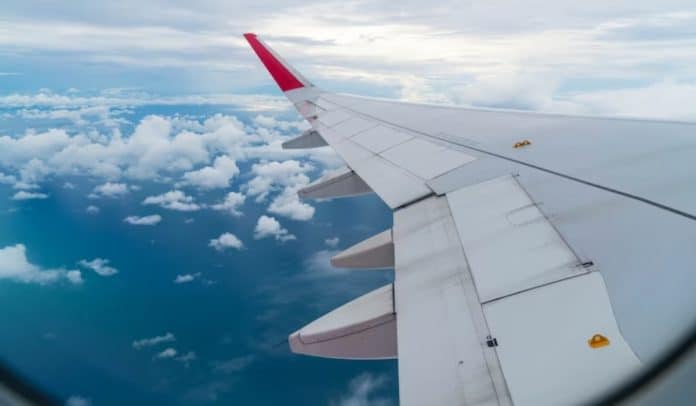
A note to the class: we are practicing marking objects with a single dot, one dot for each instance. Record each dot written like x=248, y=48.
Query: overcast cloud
x=564, y=56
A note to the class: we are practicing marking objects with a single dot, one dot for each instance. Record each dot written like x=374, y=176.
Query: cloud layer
x=541, y=56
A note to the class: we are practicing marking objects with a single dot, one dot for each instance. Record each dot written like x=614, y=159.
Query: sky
x=152, y=244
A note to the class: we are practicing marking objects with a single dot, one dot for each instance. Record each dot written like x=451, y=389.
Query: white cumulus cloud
x=24, y=195
x=201, y=153
x=286, y=177
x=186, y=278
x=92, y=209
x=270, y=227
x=288, y=204
x=109, y=189
x=14, y=265
x=362, y=392
x=173, y=200
x=74, y=276
x=332, y=242
x=143, y=221
x=152, y=341
x=7, y=179
x=231, y=204
x=216, y=176
x=100, y=266
x=187, y=358
x=166, y=353
x=226, y=240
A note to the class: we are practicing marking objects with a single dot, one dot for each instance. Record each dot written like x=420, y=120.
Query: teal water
x=77, y=340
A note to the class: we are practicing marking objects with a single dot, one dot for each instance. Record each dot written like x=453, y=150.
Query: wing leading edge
x=510, y=257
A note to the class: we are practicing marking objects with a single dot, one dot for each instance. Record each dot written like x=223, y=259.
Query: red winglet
x=285, y=79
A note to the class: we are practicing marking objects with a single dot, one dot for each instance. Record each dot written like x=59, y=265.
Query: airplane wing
x=539, y=258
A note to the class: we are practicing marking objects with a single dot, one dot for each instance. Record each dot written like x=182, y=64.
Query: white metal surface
x=443, y=359
x=381, y=138
x=331, y=118
x=543, y=343
x=509, y=244
x=620, y=192
x=348, y=150
x=633, y=155
x=364, y=328
x=393, y=184
x=425, y=159
x=373, y=253
x=355, y=125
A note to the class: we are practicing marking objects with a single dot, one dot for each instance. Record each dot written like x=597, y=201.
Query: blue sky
x=153, y=247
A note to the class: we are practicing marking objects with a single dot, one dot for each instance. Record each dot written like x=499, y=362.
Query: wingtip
x=284, y=76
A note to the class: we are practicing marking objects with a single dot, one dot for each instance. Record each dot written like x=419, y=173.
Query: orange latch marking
x=598, y=341
x=521, y=144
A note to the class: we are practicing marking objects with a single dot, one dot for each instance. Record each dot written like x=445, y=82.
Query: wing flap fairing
x=341, y=183
x=308, y=139
x=364, y=328
x=373, y=253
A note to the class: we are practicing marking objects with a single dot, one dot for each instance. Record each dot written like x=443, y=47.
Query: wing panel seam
x=537, y=167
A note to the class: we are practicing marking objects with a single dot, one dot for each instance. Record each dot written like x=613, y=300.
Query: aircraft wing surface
x=539, y=258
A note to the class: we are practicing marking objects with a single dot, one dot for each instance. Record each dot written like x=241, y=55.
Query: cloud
x=109, y=100
x=288, y=204
x=270, y=227
x=166, y=353
x=213, y=177
x=187, y=358
x=15, y=266
x=287, y=177
x=332, y=242
x=274, y=174
x=25, y=185
x=272, y=122
x=202, y=153
x=78, y=400
x=80, y=116
x=233, y=365
x=92, y=209
x=362, y=392
x=318, y=265
x=152, y=341
x=74, y=276
x=173, y=200
x=68, y=186
x=100, y=266
x=109, y=189
x=143, y=221
x=226, y=240
x=186, y=278
x=231, y=204
x=7, y=179
x=24, y=195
